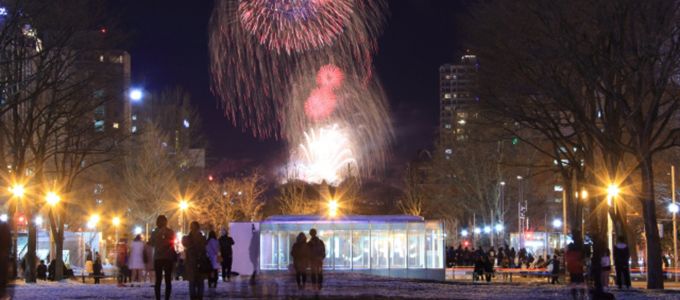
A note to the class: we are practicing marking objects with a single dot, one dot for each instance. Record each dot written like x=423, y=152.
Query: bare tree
x=215, y=204
x=249, y=191
x=414, y=199
x=296, y=198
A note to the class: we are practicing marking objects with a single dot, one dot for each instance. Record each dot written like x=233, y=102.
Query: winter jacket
x=97, y=267
x=225, y=246
x=163, y=242
x=212, y=249
x=574, y=259
x=300, y=255
x=194, y=251
x=121, y=254
x=317, y=249
x=136, y=259
x=621, y=255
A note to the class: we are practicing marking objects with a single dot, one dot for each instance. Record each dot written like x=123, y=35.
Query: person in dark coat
x=41, y=270
x=195, y=255
x=226, y=243
x=317, y=253
x=97, y=269
x=555, y=272
x=163, y=242
x=5, y=258
x=621, y=258
x=488, y=268
x=51, y=269
x=121, y=261
x=478, y=270
x=300, y=255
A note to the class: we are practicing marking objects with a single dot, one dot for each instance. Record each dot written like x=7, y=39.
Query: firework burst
x=324, y=154
x=251, y=68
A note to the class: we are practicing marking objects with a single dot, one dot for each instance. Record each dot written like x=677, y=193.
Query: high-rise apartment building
x=457, y=84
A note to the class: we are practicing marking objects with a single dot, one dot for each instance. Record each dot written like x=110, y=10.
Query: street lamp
x=464, y=233
x=52, y=198
x=136, y=94
x=115, y=222
x=499, y=227
x=478, y=230
x=487, y=229
x=92, y=222
x=333, y=208
x=17, y=190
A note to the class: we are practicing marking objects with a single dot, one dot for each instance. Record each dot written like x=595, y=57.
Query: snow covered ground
x=337, y=286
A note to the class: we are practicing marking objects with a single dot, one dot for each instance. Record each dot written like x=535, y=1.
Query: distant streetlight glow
x=136, y=94
x=92, y=222
x=138, y=230
x=3, y=218
x=557, y=223
x=499, y=227
x=487, y=229
x=115, y=221
x=183, y=205
x=464, y=232
x=673, y=208
x=38, y=220
x=477, y=230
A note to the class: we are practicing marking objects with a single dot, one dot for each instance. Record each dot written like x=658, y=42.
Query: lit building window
x=558, y=188
x=98, y=125
x=447, y=96
x=134, y=117
x=116, y=125
x=448, y=151
x=447, y=126
x=461, y=121
x=101, y=58
x=186, y=123
x=133, y=129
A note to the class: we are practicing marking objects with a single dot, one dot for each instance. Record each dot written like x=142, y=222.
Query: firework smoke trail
x=256, y=47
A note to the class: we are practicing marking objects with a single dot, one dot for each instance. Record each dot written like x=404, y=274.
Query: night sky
x=169, y=46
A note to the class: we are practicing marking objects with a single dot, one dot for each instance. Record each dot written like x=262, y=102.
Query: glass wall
x=357, y=242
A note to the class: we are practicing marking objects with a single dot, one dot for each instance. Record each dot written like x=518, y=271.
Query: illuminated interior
x=398, y=246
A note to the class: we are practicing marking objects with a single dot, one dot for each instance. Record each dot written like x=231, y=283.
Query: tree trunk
x=654, y=264
x=59, y=240
x=32, y=245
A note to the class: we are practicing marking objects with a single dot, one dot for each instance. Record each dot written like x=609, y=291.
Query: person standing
x=163, y=242
x=317, y=251
x=98, y=268
x=621, y=264
x=226, y=243
x=574, y=258
x=555, y=271
x=41, y=271
x=212, y=249
x=195, y=252
x=606, y=264
x=300, y=255
x=136, y=260
x=121, y=260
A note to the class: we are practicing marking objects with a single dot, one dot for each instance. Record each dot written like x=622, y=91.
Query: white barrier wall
x=246, y=248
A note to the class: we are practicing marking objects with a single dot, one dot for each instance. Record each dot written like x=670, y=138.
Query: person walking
x=574, y=258
x=212, y=249
x=317, y=253
x=136, y=259
x=163, y=242
x=121, y=260
x=226, y=242
x=621, y=264
x=606, y=264
x=195, y=256
x=300, y=255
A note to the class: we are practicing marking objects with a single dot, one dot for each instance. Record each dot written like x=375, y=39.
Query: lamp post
x=183, y=206
x=115, y=222
x=612, y=192
x=673, y=208
x=17, y=192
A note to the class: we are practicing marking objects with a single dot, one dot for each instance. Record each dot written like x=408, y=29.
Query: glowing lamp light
x=22, y=219
x=183, y=205
x=17, y=190
x=92, y=222
x=38, y=221
x=502, y=183
x=464, y=232
x=4, y=218
x=136, y=94
x=487, y=229
x=557, y=223
x=499, y=227
x=333, y=208
x=673, y=208
x=612, y=190
x=477, y=230
x=137, y=230
x=115, y=221
x=52, y=198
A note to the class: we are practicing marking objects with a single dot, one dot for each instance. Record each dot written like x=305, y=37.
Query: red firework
x=320, y=104
x=295, y=25
x=329, y=76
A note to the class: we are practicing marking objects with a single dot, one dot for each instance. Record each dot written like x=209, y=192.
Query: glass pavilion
x=397, y=246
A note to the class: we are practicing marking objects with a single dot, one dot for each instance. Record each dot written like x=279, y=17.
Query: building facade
x=457, y=83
